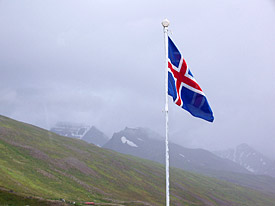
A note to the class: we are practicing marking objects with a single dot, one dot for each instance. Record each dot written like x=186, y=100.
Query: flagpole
x=165, y=24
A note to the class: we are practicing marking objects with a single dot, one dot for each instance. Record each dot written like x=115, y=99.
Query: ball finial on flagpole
x=165, y=23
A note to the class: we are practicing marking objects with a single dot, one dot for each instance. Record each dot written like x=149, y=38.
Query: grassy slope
x=8, y=198
x=35, y=162
x=261, y=183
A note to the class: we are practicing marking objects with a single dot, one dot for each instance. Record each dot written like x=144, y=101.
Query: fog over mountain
x=144, y=143
x=250, y=159
x=90, y=134
x=102, y=63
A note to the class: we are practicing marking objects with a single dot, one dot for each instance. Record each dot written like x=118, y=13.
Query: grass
x=35, y=162
x=9, y=198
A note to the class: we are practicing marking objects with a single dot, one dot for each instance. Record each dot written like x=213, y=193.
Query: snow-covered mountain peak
x=69, y=129
x=87, y=133
x=249, y=159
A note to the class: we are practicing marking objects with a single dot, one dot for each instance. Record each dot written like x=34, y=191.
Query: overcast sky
x=102, y=63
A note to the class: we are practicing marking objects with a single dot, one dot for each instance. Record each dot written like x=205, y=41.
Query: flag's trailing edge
x=183, y=88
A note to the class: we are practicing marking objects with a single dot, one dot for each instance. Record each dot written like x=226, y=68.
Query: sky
x=102, y=63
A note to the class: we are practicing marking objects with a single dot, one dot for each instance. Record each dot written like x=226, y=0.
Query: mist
x=102, y=63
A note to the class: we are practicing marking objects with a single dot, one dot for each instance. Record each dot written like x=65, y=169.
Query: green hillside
x=35, y=162
x=10, y=198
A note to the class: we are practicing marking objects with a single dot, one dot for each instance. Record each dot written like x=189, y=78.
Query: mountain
x=38, y=164
x=249, y=158
x=95, y=136
x=68, y=129
x=80, y=131
x=144, y=143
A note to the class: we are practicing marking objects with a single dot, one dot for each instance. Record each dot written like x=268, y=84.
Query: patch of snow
x=124, y=140
x=87, y=128
x=250, y=169
x=182, y=155
x=140, y=139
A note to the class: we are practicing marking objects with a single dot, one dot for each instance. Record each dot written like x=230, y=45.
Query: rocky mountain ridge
x=140, y=142
x=84, y=132
x=249, y=158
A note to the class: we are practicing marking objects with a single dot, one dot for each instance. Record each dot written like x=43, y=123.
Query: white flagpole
x=165, y=24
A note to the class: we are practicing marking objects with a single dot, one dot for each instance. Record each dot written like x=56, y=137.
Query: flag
x=183, y=88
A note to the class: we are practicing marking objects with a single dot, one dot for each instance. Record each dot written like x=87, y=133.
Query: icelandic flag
x=183, y=88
